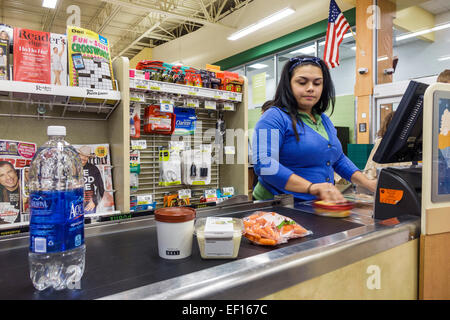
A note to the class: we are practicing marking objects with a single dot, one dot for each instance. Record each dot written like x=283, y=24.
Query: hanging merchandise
x=220, y=136
x=186, y=121
x=135, y=121
x=89, y=60
x=169, y=167
x=196, y=166
x=135, y=161
x=134, y=182
x=158, y=122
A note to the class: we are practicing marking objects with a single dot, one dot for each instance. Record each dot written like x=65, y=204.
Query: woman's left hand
x=372, y=185
x=360, y=179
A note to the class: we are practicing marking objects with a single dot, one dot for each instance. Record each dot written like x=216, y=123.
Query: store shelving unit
x=91, y=116
x=232, y=105
x=98, y=116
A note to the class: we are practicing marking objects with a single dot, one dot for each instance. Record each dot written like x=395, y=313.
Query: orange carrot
x=299, y=230
x=268, y=242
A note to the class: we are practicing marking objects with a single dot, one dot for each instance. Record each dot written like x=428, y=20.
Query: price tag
x=229, y=106
x=144, y=199
x=230, y=150
x=166, y=105
x=154, y=86
x=184, y=193
x=218, y=95
x=138, y=144
x=193, y=103
x=232, y=96
x=137, y=97
x=193, y=91
x=228, y=191
x=141, y=84
x=211, y=195
x=210, y=105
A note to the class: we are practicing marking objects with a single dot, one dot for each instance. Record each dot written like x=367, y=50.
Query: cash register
x=399, y=189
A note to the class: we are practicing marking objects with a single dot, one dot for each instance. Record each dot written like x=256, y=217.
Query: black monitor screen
x=402, y=141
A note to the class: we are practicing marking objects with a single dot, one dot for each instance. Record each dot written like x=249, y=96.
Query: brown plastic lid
x=175, y=214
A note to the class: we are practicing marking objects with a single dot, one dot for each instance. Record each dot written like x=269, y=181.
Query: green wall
x=344, y=114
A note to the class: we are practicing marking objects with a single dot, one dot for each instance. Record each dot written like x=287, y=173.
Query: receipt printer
x=399, y=192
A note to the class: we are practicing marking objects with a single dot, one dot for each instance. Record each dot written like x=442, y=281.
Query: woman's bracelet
x=309, y=188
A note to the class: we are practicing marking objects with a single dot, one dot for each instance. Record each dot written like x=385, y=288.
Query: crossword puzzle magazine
x=89, y=60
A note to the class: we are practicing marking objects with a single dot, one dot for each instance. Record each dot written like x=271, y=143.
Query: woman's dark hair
x=284, y=98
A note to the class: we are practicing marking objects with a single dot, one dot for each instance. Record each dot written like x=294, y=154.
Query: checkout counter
x=347, y=258
x=371, y=254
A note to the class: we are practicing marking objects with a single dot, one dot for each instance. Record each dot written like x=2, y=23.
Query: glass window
x=239, y=70
x=261, y=81
x=305, y=49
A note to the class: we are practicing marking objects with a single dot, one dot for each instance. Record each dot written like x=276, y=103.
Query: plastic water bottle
x=57, y=250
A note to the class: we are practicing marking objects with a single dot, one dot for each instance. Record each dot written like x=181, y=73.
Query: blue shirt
x=277, y=154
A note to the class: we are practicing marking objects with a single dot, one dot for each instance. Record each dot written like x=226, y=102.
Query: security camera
x=363, y=70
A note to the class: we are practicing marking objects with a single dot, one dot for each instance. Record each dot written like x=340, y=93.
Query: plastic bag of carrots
x=271, y=228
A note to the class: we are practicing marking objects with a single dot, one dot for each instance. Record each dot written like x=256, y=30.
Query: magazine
x=4, y=59
x=98, y=184
x=31, y=56
x=15, y=159
x=89, y=60
x=7, y=33
x=58, y=59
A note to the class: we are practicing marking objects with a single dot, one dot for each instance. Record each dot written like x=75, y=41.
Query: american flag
x=337, y=27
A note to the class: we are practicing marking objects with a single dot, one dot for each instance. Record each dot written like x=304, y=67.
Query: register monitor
x=399, y=189
x=402, y=141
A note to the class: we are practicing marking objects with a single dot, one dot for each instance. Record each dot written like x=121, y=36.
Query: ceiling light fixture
x=51, y=4
x=258, y=66
x=443, y=58
x=262, y=23
x=419, y=33
x=306, y=50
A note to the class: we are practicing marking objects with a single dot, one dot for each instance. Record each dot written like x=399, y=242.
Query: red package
x=156, y=121
x=31, y=56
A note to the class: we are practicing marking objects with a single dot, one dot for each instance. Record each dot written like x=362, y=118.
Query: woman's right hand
x=327, y=192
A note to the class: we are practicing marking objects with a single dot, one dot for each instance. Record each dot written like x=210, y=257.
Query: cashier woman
x=295, y=145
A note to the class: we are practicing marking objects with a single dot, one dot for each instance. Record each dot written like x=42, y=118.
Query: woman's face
x=307, y=86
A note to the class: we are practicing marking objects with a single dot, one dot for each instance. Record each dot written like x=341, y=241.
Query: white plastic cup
x=175, y=231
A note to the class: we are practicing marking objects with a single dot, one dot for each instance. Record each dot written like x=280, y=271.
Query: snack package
x=271, y=228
